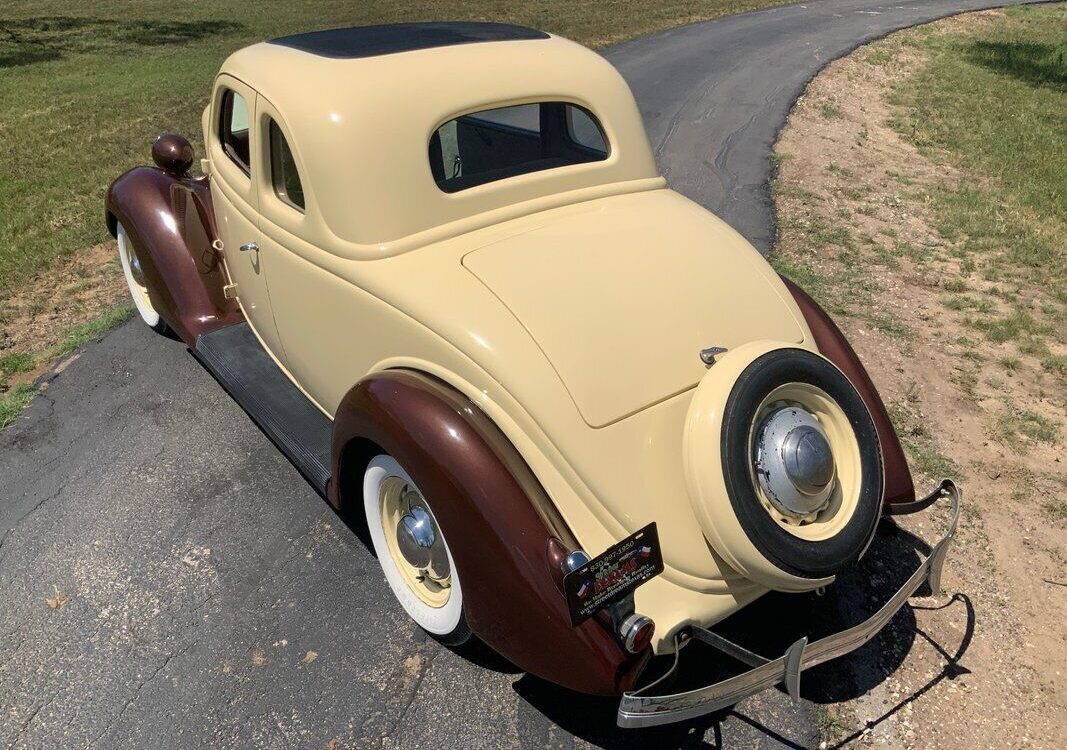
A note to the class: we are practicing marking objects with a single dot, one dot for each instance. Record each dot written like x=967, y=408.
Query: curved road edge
x=715, y=94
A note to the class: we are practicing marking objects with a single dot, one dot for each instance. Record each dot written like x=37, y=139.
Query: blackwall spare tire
x=783, y=465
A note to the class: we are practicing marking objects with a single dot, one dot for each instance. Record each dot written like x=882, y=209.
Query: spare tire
x=783, y=465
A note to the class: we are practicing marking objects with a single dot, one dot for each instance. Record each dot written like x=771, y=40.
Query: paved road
x=714, y=95
x=210, y=598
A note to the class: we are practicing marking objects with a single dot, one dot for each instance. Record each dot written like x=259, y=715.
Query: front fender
x=172, y=226
x=506, y=537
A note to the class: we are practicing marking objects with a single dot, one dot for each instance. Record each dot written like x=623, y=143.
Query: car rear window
x=504, y=142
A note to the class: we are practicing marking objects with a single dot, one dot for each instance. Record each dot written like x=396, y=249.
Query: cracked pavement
x=197, y=569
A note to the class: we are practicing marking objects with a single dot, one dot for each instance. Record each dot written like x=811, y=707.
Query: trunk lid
x=621, y=298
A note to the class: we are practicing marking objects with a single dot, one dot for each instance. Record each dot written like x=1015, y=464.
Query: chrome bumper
x=640, y=709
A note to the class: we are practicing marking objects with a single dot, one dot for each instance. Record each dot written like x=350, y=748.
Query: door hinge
x=229, y=291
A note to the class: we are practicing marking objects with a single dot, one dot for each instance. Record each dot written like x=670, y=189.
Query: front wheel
x=413, y=552
x=131, y=269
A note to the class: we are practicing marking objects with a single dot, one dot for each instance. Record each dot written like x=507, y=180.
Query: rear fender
x=171, y=223
x=507, y=539
x=833, y=345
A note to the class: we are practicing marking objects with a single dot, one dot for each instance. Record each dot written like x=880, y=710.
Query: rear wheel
x=131, y=269
x=412, y=551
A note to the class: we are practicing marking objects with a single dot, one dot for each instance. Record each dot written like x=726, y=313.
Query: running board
x=242, y=366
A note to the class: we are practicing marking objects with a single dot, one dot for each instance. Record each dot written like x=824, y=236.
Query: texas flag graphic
x=637, y=552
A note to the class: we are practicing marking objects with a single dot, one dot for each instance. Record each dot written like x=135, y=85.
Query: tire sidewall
x=147, y=314
x=790, y=553
x=447, y=622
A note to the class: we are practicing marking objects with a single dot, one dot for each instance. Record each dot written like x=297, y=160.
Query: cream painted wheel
x=131, y=269
x=835, y=501
x=412, y=551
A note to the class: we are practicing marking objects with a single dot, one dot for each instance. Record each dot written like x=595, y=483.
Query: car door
x=236, y=160
x=307, y=300
x=332, y=330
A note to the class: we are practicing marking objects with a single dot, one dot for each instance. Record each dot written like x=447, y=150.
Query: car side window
x=283, y=172
x=503, y=142
x=233, y=129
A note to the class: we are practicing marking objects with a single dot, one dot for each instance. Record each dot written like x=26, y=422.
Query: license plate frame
x=614, y=574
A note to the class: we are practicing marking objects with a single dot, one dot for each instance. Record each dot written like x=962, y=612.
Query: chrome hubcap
x=808, y=462
x=794, y=464
x=419, y=540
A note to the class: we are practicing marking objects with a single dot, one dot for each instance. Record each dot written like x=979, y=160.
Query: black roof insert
x=370, y=41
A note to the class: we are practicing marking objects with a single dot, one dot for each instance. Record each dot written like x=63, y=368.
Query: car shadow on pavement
x=951, y=670
x=768, y=626
x=478, y=653
x=355, y=518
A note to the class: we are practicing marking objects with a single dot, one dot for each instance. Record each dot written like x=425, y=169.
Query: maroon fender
x=170, y=220
x=504, y=533
x=835, y=347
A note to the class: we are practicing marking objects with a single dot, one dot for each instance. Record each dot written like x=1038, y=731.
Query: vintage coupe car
x=584, y=418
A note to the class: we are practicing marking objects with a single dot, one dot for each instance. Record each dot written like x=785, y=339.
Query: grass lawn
x=15, y=394
x=85, y=87
x=952, y=241
x=995, y=104
x=990, y=104
x=921, y=195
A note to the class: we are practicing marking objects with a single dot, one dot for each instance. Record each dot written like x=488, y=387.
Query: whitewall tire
x=131, y=269
x=429, y=590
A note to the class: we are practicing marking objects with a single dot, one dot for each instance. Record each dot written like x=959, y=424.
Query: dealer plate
x=617, y=572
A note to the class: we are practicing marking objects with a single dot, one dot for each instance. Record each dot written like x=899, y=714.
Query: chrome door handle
x=249, y=247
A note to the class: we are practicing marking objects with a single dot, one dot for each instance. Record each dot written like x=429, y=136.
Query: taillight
x=636, y=632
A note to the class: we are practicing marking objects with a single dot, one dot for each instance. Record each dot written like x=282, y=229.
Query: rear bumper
x=640, y=708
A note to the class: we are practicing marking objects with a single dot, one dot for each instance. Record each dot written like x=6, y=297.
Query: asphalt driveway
x=167, y=579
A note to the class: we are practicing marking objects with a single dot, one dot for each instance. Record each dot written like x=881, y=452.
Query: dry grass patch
x=71, y=302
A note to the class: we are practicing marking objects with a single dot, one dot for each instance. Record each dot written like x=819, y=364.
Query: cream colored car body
x=570, y=304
